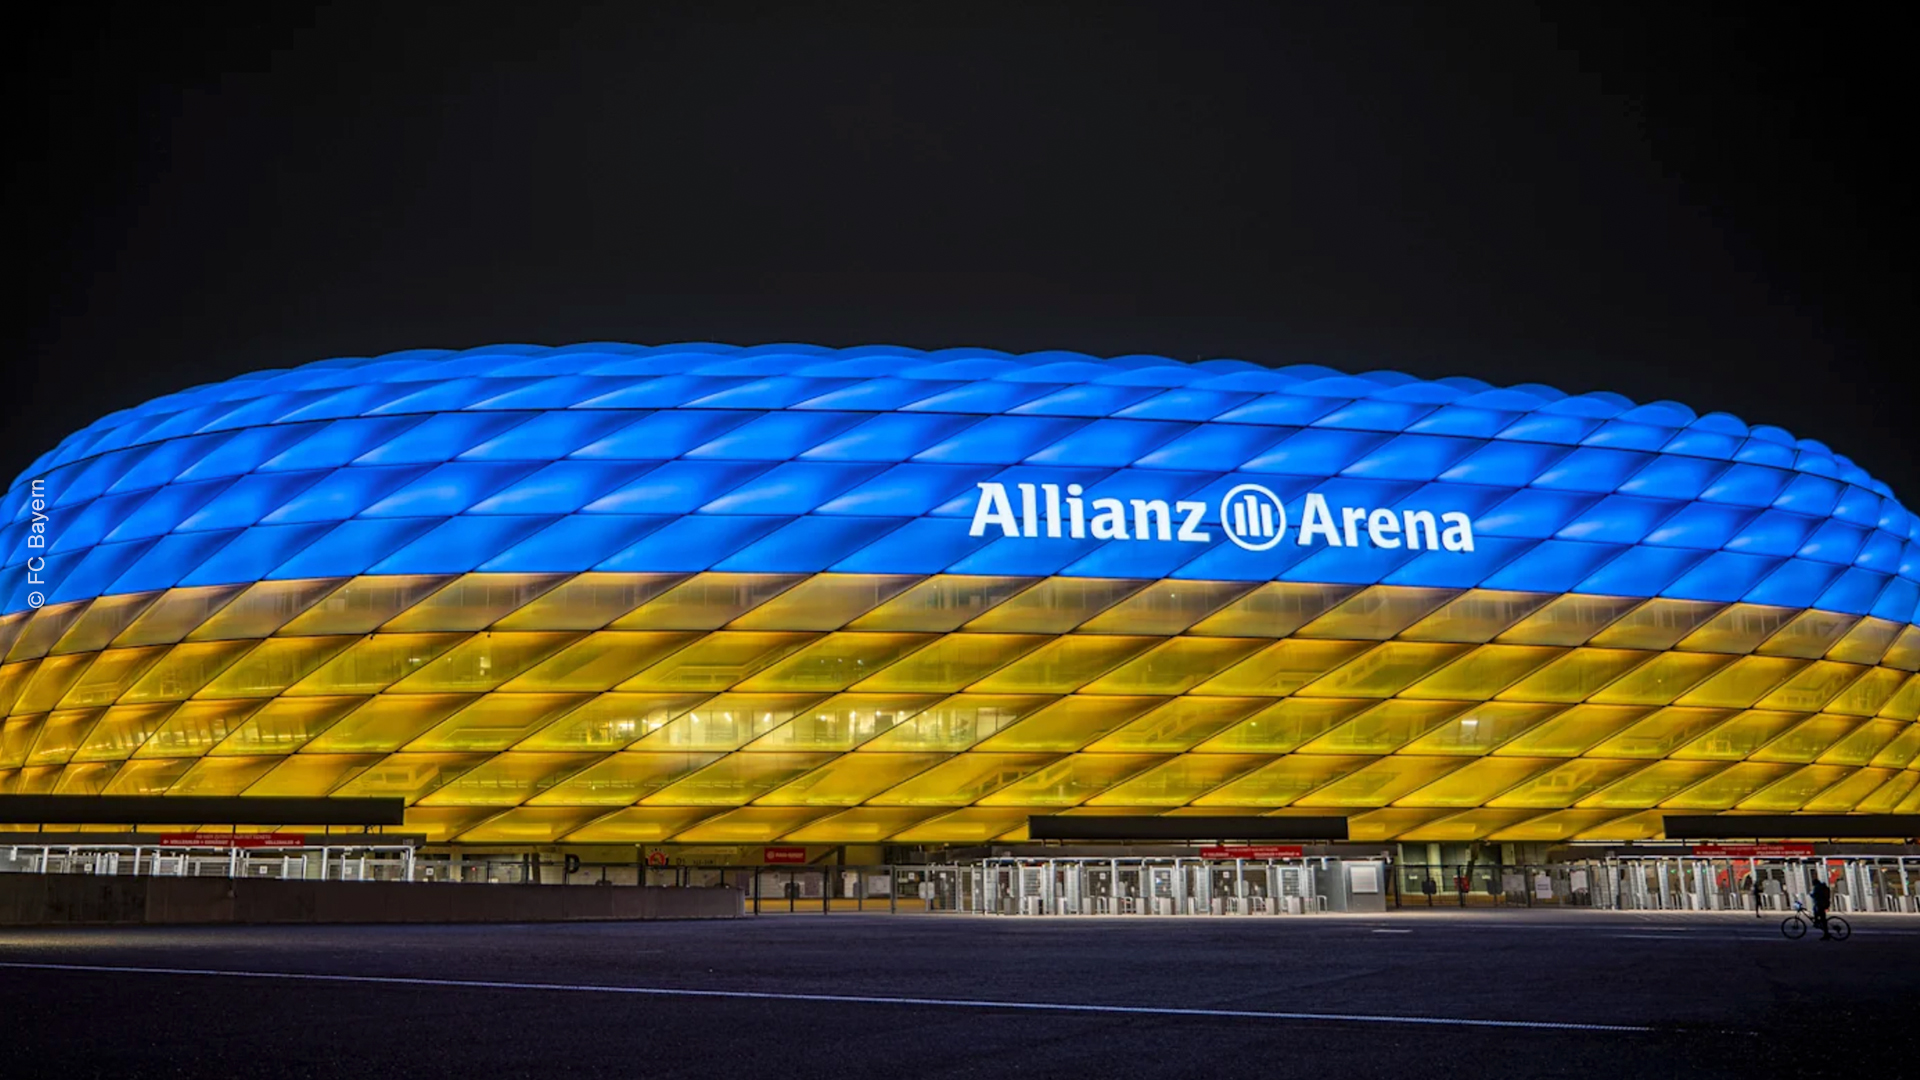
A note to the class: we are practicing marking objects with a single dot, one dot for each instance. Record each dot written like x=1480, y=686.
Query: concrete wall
x=81, y=899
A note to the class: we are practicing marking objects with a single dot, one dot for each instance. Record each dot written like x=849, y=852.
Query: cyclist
x=1821, y=896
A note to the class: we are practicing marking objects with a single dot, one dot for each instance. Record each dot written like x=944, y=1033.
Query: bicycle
x=1795, y=925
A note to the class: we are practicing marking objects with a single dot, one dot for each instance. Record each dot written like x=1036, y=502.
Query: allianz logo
x=1251, y=515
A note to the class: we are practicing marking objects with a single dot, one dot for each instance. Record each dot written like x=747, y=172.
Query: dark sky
x=1699, y=206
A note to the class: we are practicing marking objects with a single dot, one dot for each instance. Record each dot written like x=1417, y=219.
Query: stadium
x=702, y=594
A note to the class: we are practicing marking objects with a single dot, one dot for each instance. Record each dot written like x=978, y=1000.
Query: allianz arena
x=702, y=594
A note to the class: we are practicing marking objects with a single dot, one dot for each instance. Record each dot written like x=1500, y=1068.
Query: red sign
x=1265, y=851
x=785, y=855
x=1753, y=851
x=250, y=840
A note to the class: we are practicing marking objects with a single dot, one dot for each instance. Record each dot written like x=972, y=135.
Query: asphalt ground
x=1496, y=994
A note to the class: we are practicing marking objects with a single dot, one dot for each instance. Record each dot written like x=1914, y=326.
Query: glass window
x=364, y=603
x=1166, y=607
x=1656, y=624
x=265, y=607
x=623, y=779
x=718, y=661
x=1056, y=605
x=1069, y=723
x=1284, y=725
x=1377, y=613
x=284, y=725
x=1388, y=669
x=953, y=662
x=707, y=601
x=588, y=601
x=104, y=619
x=941, y=603
x=473, y=602
x=825, y=602
x=1476, y=616
x=1569, y=620
x=1739, y=629
x=1283, y=667
x=956, y=723
x=1274, y=610
x=368, y=666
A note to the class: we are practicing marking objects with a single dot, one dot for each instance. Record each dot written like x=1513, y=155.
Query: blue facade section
x=798, y=458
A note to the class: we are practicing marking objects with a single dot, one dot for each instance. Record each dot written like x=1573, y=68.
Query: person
x=1427, y=887
x=1460, y=886
x=1821, y=895
x=1753, y=883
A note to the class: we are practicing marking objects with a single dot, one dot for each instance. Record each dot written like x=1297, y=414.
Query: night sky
x=1690, y=206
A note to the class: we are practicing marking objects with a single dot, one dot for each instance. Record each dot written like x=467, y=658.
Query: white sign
x=1251, y=515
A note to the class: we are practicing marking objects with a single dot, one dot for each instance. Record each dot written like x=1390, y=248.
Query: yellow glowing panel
x=274, y=665
x=1055, y=605
x=1384, y=671
x=495, y=722
x=310, y=774
x=50, y=682
x=1372, y=826
x=862, y=824
x=1644, y=825
x=1576, y=676
x=175, y=677
x=1566, y=784
x=844, y=721
x=122, y=730
x=43, y=628
x=737, y=779
x=975, y=824
x=1573, y=731
x=749, y=825
x=408, y=776
x=265, y=607
x=14, y=679
x=601, y=661
x=622, y=779
x=1559, y=825
x=373, y=663
x=527, y=825
x=1740, y=736
x=1281, y=782
x=1905, y=653
x=1174, y=666
x=1483, y=672
x=836, y=662
x=1179, y=781
x=1384, y=727
x=1889, y=794
x=1376, y=613
x=1793, y=791
x=956, y=723
x=439, y=824
x=962, y=779
x=1867, y=740
x=1847, y=793
x=952, y=662
x=1477, y=781
x=149, y=777
x=1382, y=782
x=942, y=603
x=1812, y=686
x=196, y=727
x=1724, y=789
x=472, y=602
x=62, y=734
x=483, y=662
x=386, y=723
x=1166, y=607
x=363, y=604
x=1070, y=723
x=1467, y=825
x=611, y=721
x=588, y=601
x=847, y=779
x=1656, y=624
x=1864, y=697
x=1179, y=724
x=825, y=602
x=10, y=628
x=727, y=722
x=1905, y=703
x=1063, y=664
x=1071, y=780
x=177, y=613
x=1662, y=679
x=639, y=824
x=718, y=661
x=1910, y=804
x=36, y=781
x=1809, y=635
x=1740, y=684
x=1284, y=725
x=111, y=674
x=707, y=601
x=1274, y=610
x=1652, y=784
x=104, y=619
x=85, y=779
x=1867, y=642
x=284, y=725
x=1569, y=620
x=222, y=776
x=1807, y=740
x=1657, y=735
x=1475, y=616
x=1901, y=751
x=1481, y=728
x=1739, y=629
x=507, y=779
x=1284, y=667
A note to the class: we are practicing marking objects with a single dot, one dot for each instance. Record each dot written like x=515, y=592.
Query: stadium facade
x=701, y=594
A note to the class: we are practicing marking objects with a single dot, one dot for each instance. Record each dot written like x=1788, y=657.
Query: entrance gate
x=1161, y=886
x=1860, y=883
